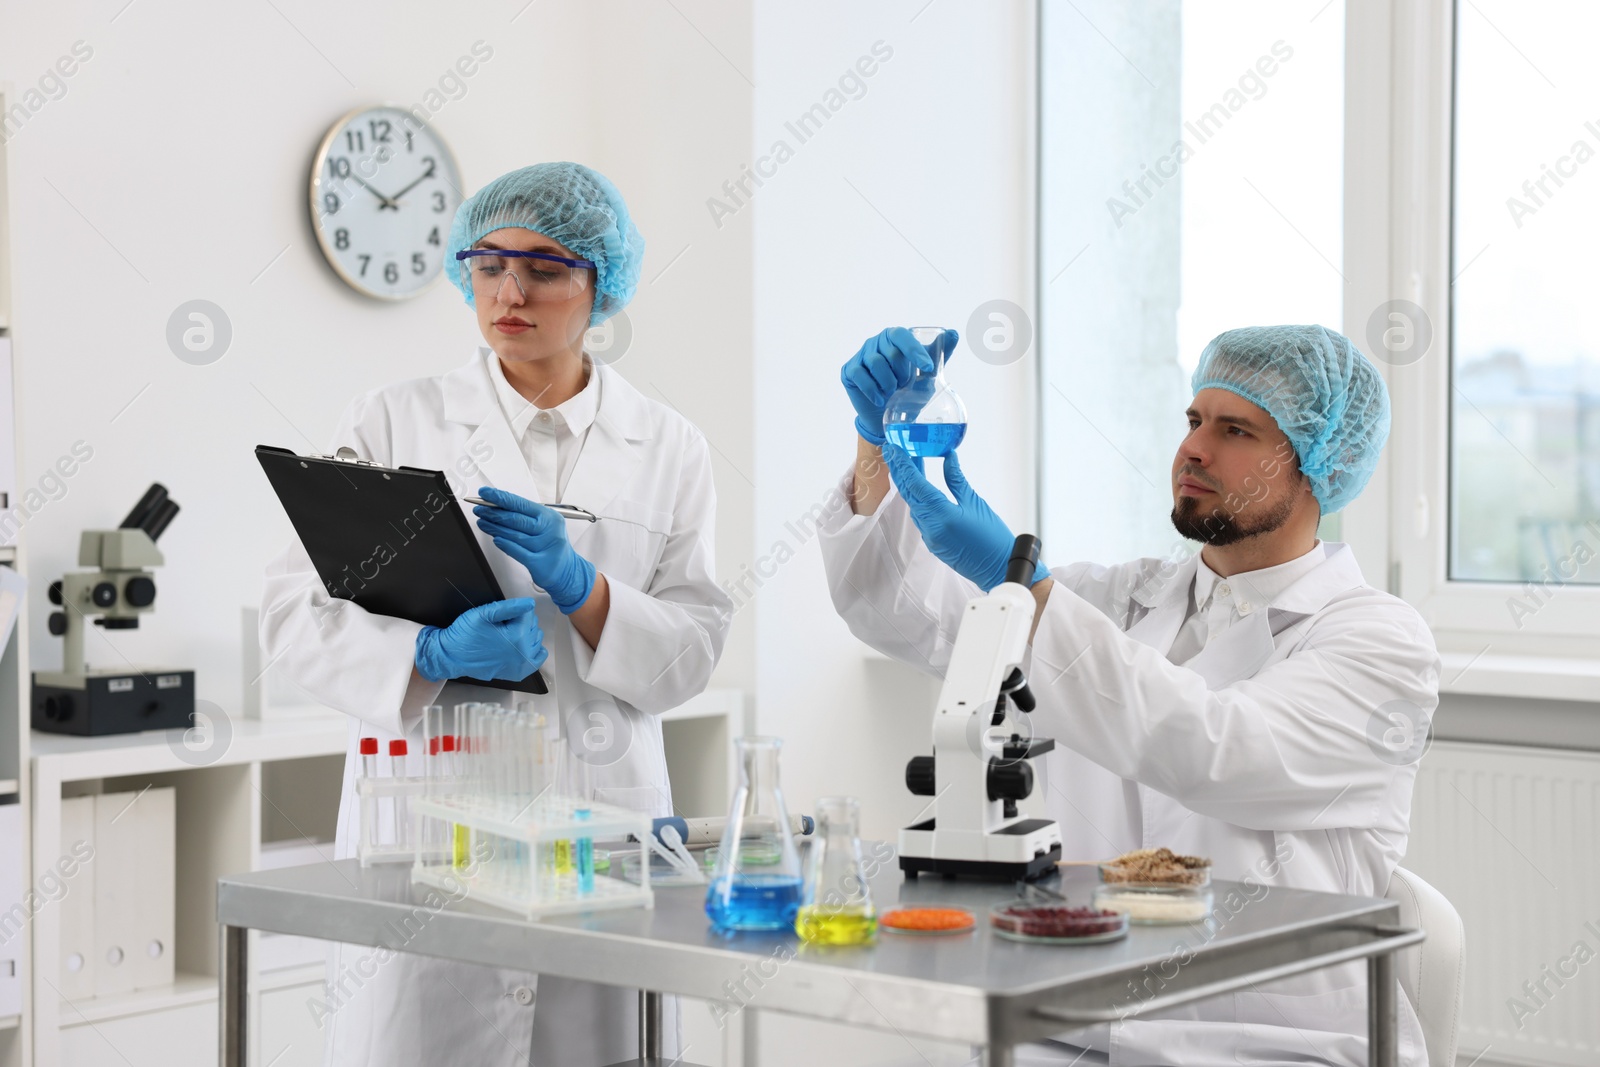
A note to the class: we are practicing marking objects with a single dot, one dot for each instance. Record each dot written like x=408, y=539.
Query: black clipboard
x=392, y=540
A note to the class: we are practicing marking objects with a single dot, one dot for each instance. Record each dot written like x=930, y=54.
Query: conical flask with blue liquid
x=756, y=882
x=925, y=417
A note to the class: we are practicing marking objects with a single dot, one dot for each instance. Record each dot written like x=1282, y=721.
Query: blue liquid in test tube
x=585, y=850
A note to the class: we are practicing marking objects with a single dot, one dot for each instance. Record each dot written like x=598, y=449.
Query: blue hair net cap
x=569, y=203
x=1325, y=395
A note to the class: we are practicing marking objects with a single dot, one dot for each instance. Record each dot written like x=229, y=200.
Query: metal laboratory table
x=975, y=988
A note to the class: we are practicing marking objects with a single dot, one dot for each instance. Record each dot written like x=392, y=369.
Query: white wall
x=912, y=205
x=175, y=167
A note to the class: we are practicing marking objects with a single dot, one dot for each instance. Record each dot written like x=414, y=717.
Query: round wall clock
x=384, y=190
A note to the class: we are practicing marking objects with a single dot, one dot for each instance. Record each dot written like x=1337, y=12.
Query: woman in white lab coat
x=627, y=610
x=1246, y=714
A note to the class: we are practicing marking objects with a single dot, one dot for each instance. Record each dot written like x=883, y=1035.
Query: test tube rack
x=510, y=858
x=380, y=843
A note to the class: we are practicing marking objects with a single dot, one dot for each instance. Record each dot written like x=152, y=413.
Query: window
x=1191, y=181
x=1525, y=353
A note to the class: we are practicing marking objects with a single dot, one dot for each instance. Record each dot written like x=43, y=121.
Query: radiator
x=1512, y=837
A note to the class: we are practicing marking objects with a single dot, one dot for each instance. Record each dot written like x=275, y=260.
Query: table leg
x=1382, y=1011
x=649, y=1026
x=232, y=995
x=750, y=1038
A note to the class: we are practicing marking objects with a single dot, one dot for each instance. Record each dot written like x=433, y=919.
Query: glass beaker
x=836, y=902
x=756, y=883
x=925, y=416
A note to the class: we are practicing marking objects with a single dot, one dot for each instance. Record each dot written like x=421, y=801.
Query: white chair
x=1431, y=973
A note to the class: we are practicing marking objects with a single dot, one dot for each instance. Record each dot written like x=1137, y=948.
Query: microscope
x=124, y=699
x=975, y=777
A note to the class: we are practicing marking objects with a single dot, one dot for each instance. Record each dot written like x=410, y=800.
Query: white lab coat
x=1254, y=753
x=668, y=620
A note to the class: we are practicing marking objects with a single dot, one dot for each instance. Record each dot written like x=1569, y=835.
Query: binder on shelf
x=134, y=890
x=76, y=965
x=150, y=952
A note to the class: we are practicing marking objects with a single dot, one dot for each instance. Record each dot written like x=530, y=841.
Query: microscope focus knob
x=58, y=623
x=919, y=776
x=104, y=594
x=1010, y=780
x=140, y=592
x=55, y=592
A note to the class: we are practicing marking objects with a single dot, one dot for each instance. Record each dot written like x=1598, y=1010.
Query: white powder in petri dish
x=1155, y=907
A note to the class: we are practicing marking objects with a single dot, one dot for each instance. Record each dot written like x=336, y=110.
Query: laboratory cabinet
x=182, y=1035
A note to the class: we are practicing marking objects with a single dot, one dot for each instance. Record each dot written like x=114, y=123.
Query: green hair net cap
x=1327, y=398
x=569, y=203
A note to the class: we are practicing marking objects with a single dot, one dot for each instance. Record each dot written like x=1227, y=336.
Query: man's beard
x=1218, y=527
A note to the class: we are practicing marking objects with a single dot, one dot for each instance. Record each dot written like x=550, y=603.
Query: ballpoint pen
x=566, y=511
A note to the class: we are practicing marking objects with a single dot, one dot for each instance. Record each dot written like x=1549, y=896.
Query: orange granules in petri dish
x=927, y=920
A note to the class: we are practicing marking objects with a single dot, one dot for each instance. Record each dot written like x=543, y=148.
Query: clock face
x=384, y=190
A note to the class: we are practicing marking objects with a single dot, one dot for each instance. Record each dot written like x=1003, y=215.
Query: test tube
x=456, y=743
x=402, y=810
x=430, y=772
x=556, y=858
x=368, y=748
x=489, y=730
x=585, y=860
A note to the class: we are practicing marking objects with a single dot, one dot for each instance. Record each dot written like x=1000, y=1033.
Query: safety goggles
x=539, y=276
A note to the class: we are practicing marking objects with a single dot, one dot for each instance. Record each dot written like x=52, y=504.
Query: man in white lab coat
x=1239, y=703
x=623, y=616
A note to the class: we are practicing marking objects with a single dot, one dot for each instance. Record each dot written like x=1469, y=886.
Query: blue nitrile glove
x=884, y=364
x=967, y=534
x=536, y=537
x=497, y=640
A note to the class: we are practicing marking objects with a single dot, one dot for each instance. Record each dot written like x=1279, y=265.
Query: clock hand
x=425, y=176
x=383, y=201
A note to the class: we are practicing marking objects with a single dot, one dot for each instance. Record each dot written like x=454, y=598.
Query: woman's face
x=521, y=322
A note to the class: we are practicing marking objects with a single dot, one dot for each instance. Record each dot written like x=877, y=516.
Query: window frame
x=1399, y=163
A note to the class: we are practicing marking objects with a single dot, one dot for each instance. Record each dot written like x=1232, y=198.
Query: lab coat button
x=523, y=995
x=544, y=416
x=1245, y=607
x=1223, y=590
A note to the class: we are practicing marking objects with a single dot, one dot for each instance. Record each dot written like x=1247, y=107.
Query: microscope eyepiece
x=152, y=513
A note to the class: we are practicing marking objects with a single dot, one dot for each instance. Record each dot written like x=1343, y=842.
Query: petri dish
x=754, y=852
x=1157, y=867
x=927, y=921
x=662, y=873
x=1149, y=904
x=1057, y=924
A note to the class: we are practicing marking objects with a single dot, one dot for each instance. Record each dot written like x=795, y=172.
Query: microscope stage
x=1025, y=849
x=113, y=702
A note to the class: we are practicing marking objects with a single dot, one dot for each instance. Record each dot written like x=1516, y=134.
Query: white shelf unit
x=275, y=780
x=701, y=762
